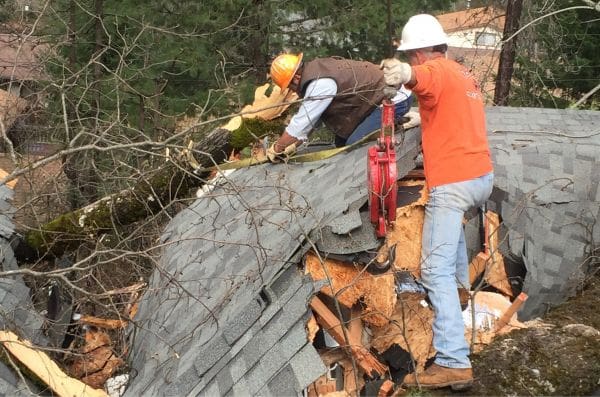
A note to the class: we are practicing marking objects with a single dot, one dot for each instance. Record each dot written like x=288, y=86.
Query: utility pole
x=507, y=54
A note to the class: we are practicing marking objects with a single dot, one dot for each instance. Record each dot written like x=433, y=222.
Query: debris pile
x=372, y=321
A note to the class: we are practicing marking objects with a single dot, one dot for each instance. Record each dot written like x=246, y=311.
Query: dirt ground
x=558, y=355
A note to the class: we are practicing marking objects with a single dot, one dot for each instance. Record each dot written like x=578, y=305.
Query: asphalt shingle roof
x=225, y=253
x=16, y=309
x=547, y=169
x=226, y=308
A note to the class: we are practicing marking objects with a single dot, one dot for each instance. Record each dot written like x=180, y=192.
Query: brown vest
x=360, y=90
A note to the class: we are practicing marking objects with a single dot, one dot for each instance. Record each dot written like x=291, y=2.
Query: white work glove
x=414, y=120
x=276, y=157
x=395, y=72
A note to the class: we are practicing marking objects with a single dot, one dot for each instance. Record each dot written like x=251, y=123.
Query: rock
x=581, y=330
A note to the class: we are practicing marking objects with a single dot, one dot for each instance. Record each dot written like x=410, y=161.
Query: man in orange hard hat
x=344, y=94
x=459, y=175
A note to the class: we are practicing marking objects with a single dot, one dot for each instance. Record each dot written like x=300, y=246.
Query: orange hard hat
x=283, y=69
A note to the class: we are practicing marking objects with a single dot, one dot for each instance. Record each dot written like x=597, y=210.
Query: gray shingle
x=234, y=243
x=284, y=383
x=210, y=354
x=244, y=320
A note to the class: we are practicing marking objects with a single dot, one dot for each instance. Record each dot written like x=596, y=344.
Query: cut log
x=46, y=369
x=147, y=197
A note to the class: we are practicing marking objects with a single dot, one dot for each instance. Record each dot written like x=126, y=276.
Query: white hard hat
x=422, y=31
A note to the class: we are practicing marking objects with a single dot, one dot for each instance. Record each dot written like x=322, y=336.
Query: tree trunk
x=507, y=55
x=149, y=196
x=175, y=180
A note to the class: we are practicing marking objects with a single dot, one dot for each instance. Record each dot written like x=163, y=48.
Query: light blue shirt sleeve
x=319, y=94
x=402, y=95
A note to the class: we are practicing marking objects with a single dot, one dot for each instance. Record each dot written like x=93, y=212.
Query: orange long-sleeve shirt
x=455, y=146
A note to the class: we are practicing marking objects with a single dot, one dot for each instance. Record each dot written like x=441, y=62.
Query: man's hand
x=275, y=156
x=395, y=72
x=414, y=120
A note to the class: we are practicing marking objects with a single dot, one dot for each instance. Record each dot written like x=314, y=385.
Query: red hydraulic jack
x=382, y=173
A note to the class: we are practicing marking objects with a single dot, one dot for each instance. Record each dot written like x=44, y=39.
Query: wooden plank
x=46, y=369
x=507, y=315
x=477, y=266
x=491, y=262
x=365, y=360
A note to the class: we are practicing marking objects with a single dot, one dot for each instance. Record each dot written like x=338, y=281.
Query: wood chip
x=312, y=328
x=489, y=307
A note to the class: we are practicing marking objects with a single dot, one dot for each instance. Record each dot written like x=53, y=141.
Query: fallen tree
x=173, y=181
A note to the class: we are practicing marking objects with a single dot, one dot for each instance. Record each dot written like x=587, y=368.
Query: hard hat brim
x=408, y=47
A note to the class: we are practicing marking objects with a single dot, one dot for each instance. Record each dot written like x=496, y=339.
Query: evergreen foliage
x=557, y=59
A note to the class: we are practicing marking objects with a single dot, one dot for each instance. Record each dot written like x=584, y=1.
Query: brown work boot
x=437, y=376
x=463, y=296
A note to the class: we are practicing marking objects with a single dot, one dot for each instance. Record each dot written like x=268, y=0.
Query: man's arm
x=319, y=94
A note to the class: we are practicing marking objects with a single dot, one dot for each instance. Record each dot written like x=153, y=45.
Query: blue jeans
x=373, y=122
x=444, y=265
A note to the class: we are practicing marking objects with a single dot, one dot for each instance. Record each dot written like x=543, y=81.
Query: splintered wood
x=348, y=284
x=491, y=262
x=96, y=361
x=365, y=360
x=410, y=328
x=46, y=369
x=406, y=232
x=394, y=320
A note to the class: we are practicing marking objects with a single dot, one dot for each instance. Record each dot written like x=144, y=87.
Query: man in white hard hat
x=459, y=175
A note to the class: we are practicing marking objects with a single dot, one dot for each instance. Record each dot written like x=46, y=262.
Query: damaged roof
x=16, y=308
x=225, y=310
x=227, y=314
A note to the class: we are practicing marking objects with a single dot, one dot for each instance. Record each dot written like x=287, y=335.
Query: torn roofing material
x=219, y=254
x=16, y=309
x=211, y=321
x=547, y=169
